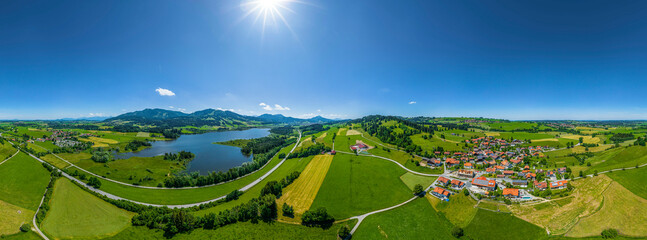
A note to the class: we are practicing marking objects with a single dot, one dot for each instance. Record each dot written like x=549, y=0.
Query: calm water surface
x=208, y=156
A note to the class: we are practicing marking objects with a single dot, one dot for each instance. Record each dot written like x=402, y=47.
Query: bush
x=418, y=190
x=288, y=211
x=609, y=233
x=94, y=182
x=344, y=232
x=317, y=218
x=25, y=227
x=466, y=192
x=457, y=232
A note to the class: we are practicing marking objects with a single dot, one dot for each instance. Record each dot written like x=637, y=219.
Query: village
x=496, y=169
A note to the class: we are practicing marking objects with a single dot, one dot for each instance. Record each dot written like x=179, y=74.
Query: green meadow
x=415, y=220
x=356, y=185
x=491, y=225
x=23, y=181
x=75, y=213
x=634, y=180
x=411, y=180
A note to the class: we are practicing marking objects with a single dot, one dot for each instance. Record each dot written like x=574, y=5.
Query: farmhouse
x=359, y=147
x=468, y=166
x=484, y=183
x=441, y=193
x=511, y=193
x=451, y=162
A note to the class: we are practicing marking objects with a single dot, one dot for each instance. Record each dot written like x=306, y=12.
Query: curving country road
x=361, y=218
x=112, y=196
x=402, y=166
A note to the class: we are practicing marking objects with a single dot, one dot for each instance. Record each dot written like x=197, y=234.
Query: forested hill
x=207, y=117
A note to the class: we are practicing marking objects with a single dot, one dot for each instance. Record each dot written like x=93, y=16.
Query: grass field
x=289, y=166
x=415, y=220
x=634, y=180
x=302, y=192
x=559, y=219
x=23, y=181
x=621, y=210
x=459, y=210
x=618, y=158
x=431, y=144
x=184, y=196
x=99, y=142
x=75, y=213
x=22, y=236
x=244, y=230
x=6, y=150
x=356, y=185
x=13, y=217
x=411, y=180
x=134, y=169
x=585, y=138
x=492, y=225
x=525, y=135
x=352, y=132
x=51, y=159
x=509, y=126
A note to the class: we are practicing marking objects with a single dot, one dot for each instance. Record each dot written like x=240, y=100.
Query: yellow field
x=546, y=140
x=302, y=192
x=12, y=218
x=586, y=199
x=352, y=132
x=586, y=139
x=621, y=210
x=143, y=134
x=492, y=134
x=580, y=149
x=99, y=142
x=339, y=132
x=55, y=161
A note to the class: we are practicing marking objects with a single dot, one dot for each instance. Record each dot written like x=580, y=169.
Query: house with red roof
x=457, y=184
x=541, y=185
x=559, y=184
x=511, y=193
x=441, y=193
x=443, y=181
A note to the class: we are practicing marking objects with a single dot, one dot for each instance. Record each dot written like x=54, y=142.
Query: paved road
x=112, y=196
x=388, y=159
x=33, y=221
x=361, y=218
x=10, y=157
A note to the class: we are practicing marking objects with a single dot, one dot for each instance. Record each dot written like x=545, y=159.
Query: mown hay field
x=302, y=192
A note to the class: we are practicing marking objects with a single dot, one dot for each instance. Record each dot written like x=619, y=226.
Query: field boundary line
x=17, y=151
x=42, y=235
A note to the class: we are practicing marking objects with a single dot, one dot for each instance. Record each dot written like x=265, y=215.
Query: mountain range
x=207, y=117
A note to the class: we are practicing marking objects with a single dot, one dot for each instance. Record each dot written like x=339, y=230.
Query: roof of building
x=511, y=191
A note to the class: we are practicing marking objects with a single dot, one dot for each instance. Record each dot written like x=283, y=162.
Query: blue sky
x=339, y=59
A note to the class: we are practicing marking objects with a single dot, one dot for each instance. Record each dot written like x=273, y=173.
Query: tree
x=466, y=192
x=344, y=232
x=267, y=207
x=581, y=173
x=417, y=189
x=288, y=211
x=317, y=218
x=94, y=182
x=25, y=227
x=457, y=232
x=609, y=233
x=581, y=140
x=180, y=221
x=507, y=201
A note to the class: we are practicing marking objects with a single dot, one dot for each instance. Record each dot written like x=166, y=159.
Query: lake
x=208, y=156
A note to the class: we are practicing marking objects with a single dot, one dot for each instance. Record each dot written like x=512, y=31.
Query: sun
x=268, y=11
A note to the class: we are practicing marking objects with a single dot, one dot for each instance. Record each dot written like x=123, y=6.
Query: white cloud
x=181, y=109
x=164, y=92
x=412, y=102
x=280, y=108
x=171, y=107
x=225, y=109
x=276, y=107
x=318, y=110
x=96, y=114
x=265, y=106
